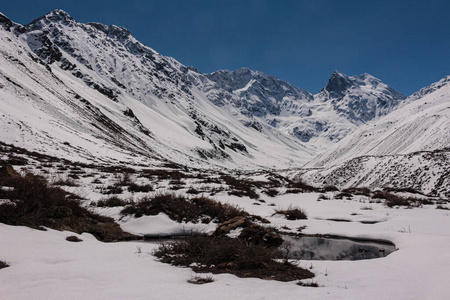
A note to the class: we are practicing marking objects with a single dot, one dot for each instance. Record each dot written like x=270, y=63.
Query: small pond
x=315, y=247
x=335, y=248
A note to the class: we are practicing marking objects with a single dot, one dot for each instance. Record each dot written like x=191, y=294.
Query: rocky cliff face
x=360, y=98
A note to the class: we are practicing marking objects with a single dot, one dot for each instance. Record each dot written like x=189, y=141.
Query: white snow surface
x=92, y=92
x=422, y=125
x=408, y=148
x=43, y=265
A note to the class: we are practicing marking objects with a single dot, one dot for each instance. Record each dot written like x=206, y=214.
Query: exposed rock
x=232, y=224
x=8, y=171
x=257, y=234
x=251, y=232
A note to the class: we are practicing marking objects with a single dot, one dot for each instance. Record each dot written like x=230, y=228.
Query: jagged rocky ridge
x=408, y=148
x=109, y=61
x=93, y=92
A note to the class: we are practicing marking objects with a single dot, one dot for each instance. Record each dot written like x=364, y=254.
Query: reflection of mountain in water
x=317, y=248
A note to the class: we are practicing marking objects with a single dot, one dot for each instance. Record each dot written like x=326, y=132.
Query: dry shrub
x=292, y=213
x=136, y=188
x=73, y=238
x=304, y=187
x=34, y=202
x=182, y=209
x=3, y=264
x=111, y=202
x=227, y=255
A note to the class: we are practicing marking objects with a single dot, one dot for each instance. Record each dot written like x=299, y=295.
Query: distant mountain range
x=92, y=92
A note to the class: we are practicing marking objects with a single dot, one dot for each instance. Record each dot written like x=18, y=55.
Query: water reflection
x=319, y=248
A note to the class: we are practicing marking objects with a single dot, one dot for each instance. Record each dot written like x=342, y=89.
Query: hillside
x=93, y=92
x=409, y=148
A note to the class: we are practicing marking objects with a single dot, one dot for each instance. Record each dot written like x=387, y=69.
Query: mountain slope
x=409, y=148
x=95, y=92
x=422, y=125
x=317, y=120
x=360, y=98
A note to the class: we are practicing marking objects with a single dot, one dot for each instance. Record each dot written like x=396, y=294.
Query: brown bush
x=35, y=203
x=111, y=202
x=182, y=209
x=304, y=187
x=292, y=213
x=3, y=264
x=73, y=238
x=227, y=255
x=136, y=188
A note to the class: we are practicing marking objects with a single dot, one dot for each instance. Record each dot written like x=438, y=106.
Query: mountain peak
x=59, y=13
x=111, y=30
x=336, y=73
x=5, y=22
x=55, y=16
x=338, y=83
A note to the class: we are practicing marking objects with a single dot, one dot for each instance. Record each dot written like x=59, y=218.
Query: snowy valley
x=105, y=141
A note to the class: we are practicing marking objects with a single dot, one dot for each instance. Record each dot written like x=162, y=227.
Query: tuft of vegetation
x=198, y=279
x=330, y=188
x=392, y=200
x=271, y=192
x=3, y=264
x=34, y=202
x=323, y=197
x=124, y=179
x=294, y=191
x=257, y=235
x=222, y=254
x=343, y=194
x=442, y=207
x=136, y=188
x=182, y=209
x=112, y=189
x=96, y=181
x=357, y=191
x=193, y=191
x=242, y=187
x=73, y=238
x=302, y=186
x=65, y=182
x=292, y=213
x=111, y=202
x=309, y=284
x=163, y=174
x=16, y=160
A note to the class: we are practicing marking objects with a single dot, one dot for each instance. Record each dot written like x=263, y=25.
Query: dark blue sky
x=404, y=43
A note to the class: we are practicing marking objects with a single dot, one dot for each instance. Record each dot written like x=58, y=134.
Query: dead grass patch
x=34, y=202
x=227, y=255
x=182, y=209
x=292, y=213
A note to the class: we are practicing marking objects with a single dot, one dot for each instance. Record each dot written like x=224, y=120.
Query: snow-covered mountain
x=360, y=98
x=408, y=148
x=93, y=92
